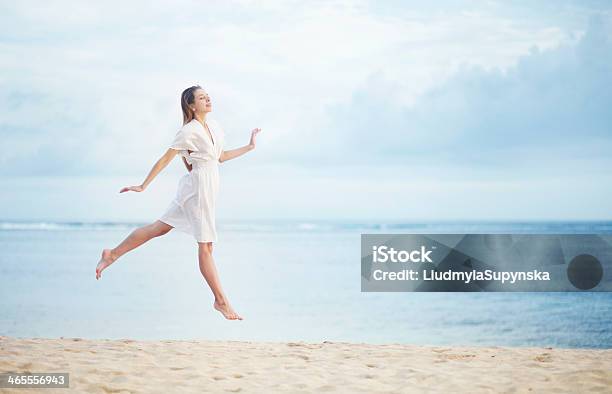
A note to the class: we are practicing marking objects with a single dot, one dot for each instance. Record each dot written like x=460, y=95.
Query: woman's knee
x=206, y=247
x=161, y=228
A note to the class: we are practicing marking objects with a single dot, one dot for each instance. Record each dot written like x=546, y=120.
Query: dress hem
x=181, y=229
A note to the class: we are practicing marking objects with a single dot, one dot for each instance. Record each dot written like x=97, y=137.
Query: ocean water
x=290, y=280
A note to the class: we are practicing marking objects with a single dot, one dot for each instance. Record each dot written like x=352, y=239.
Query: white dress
x=193, y=209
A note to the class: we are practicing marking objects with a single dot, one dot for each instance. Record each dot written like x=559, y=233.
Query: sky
x=462, y=110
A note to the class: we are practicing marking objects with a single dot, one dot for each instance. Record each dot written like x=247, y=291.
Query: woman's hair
x=188, y=98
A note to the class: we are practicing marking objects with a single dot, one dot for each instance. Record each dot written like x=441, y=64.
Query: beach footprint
x=457, y=356
x=543, y=358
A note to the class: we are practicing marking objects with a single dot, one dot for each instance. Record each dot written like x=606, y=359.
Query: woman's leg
x=209, y=271
x=134, y=240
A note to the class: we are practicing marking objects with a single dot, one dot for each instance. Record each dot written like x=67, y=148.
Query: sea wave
x=597, y=227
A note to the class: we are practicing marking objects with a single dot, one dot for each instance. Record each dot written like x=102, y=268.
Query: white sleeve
x=184, y=140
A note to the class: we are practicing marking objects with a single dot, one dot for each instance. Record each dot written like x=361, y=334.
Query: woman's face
x=201, y=103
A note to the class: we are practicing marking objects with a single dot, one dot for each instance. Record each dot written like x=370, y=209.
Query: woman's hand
x=138, y=188
x=253, y=135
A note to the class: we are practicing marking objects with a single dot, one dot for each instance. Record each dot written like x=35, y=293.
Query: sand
x=129, y=366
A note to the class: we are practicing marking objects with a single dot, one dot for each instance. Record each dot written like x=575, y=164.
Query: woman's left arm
x=232, y=154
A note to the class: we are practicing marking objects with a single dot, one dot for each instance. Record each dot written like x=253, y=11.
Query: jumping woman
x=200, y=143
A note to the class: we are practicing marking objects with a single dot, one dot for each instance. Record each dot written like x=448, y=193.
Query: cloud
x=94, y=89
x=476, y=111
x=553, y=103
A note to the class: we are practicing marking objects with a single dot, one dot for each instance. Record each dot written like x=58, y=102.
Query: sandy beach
x=129, y=366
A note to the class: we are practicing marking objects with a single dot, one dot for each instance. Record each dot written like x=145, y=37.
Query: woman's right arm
x=157, y=167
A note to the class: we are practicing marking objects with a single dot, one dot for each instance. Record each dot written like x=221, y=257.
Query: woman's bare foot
x=106, y=260
x=226, y=310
